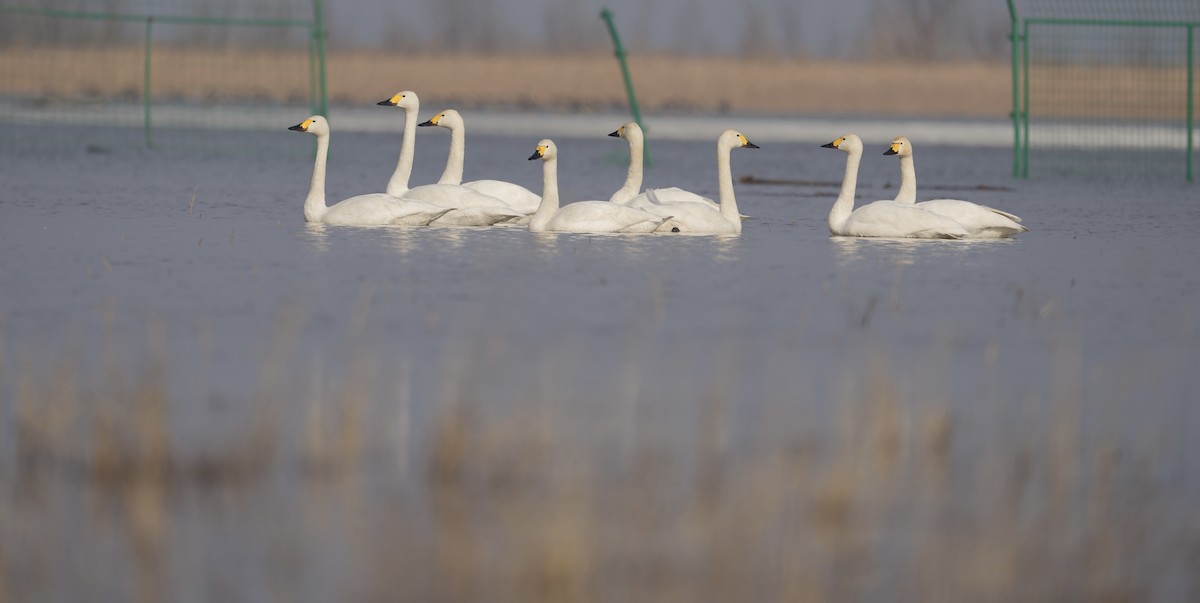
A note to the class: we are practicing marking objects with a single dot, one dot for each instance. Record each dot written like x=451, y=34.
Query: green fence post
x=1191, y=100
x=1025, y=90
x=606, y=14
x=319, y=39
x=1016, y=106
x=146, y=83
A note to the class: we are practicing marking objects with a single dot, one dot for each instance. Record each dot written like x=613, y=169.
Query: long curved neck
x=845, y=201
x=908, y=181
x=549, y=204
x=453, y=174
x=633, y=179
x=729, y=209
x=398, y=185
x=314, y=204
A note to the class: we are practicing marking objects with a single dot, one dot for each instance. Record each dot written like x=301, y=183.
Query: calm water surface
x=1099, y=303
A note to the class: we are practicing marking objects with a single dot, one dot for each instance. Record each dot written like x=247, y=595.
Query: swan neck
x=453, y=174
x=633, y=178
x=908, y=181
x=845, y=201
x=314, y=204
x=398, y=185
x=729, y=209
x=549, y=204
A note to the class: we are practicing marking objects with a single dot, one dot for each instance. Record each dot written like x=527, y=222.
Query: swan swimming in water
x=516, y=196
x=476, y=208
x=630, y=192
x=582, y=216
x=881, y=218
x=363, y=210
x=694, y=217
x=981, y=221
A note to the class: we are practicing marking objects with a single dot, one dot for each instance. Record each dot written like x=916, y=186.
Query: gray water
x=617, y=337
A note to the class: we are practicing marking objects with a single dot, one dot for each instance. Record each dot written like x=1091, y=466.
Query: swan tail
x=668, y=224
x=422, y=218
x=1013, y=217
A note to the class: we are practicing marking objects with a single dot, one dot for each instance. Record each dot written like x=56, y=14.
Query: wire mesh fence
x=1105, y=88
x=102, y=73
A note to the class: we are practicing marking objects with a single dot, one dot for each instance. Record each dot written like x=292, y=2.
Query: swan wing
x=380, y=208
x=455, y=196
x=891, y=219
x=694, y=218
x=516, y=196
x=599, y=216
x=979, y=220
x=475, y=216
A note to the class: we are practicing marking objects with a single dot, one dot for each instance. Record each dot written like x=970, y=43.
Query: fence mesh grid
x=138, y=72
x=1107, y=88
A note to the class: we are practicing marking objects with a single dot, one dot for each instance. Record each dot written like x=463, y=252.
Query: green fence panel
x=111, y=73
x=1104, y=88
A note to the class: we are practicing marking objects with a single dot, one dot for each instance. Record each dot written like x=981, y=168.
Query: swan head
x=315, y=125
x=847, y=144
x=406, y=99
x=449, y=119
x=900, y=146
x=545, y=150
x=630, y=131
x=732, y=139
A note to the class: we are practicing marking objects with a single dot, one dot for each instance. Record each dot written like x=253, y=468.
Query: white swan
x=631, y=190
x=363, y=210
x=881, y=218
x=516, y=196
x=981, y=221
x=689, y=216
x=475, y=208
x=582, y=216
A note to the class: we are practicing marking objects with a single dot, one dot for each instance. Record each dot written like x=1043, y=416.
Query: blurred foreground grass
x=363, y=498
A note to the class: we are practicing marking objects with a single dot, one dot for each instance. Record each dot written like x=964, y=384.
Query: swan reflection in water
x=315, y=236
x=905, y=252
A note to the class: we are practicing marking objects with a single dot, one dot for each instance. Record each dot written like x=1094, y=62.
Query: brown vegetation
x=580, y=82
x=891, y=501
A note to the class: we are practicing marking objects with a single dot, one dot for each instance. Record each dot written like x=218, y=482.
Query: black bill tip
x=297, y=127
x=428, y=122
x=750, y=145
x=829, y=146
x=535, y=155
x=386, y=103
x=616, y=133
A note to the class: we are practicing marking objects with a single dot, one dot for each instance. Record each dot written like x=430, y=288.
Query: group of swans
x=902, y=217
x=641, y=212
x=445, y=203
x=451, y=202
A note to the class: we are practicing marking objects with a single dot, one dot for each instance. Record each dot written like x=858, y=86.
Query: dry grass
x=584, y=82
x=890, y=501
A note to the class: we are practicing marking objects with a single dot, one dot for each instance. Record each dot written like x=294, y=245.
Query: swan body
x=516, y=196
x=363, y=210
x=882, y=218
x=690, y=216
x=582, y=216
x=483, y=210
x=981, y=221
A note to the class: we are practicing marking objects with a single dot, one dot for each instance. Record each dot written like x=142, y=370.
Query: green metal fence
x=114, y=72
x=1104, y=87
